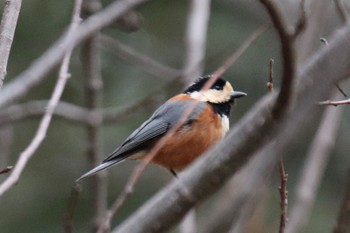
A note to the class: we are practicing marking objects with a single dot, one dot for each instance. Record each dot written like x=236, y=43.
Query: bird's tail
x=100, y=167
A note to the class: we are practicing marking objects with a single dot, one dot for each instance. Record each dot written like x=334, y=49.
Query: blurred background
x=38, y=203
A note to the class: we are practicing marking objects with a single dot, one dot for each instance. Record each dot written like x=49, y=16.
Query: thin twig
x=135, y=57
x=301, y=23
x=270, y=82
x=44, y=64
x=288, y=54
x=73, y=201
x=314, y=168
x=46, y=119
x=196, y=34
x=341, y=90
x=335, y=102
x=7, y=31
x=5, y=170
x=284, y=197
x=283, y=175
x=90, y=57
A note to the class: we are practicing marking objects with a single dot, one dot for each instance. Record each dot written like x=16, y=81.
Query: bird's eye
x=217, y=87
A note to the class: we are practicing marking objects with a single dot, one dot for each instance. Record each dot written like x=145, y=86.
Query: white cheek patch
x=225, y=124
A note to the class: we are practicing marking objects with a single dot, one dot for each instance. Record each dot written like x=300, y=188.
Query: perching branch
x=129, y=187
x=211, y=171
x=7, y=31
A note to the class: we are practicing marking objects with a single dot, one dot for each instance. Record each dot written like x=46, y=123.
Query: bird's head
x=220, y=92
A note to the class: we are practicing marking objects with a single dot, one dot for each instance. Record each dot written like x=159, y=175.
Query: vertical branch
x=93, y=92
x=283, y=175
x=284, y=197
x=46, y=119
x=196, y=35
x=73, y=201
x=7, y=31
x=314, y=168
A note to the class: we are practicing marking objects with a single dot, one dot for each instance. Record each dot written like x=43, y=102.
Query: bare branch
x=314, y=168
x=37, y=71
x=288, y=55
x=144, y=62
x=301, y=23
x=284, y=197
x=335, y=102
x=269, y=84
x=5, y=170
x=73, y=201
x=45, y=122
x=211, y=171
x=90, y=57
x=128, y=189
x=76, y=113
x=316, y=21
x=7, y=31
x=196, y=34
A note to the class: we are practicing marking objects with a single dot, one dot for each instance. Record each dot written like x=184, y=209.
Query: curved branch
x=288, y=57
x=7, y=31
x=213, y=169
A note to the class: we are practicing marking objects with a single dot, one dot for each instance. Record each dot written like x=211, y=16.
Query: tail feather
x=100, y=167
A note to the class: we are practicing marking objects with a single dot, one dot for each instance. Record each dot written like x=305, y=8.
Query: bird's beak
x=237, y=94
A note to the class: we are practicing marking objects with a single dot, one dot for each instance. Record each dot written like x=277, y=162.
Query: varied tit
x=205, y=125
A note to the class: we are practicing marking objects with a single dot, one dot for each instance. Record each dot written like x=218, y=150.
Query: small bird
x=205, y=125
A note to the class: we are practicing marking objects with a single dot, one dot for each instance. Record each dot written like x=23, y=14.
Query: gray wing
x=159, y=123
